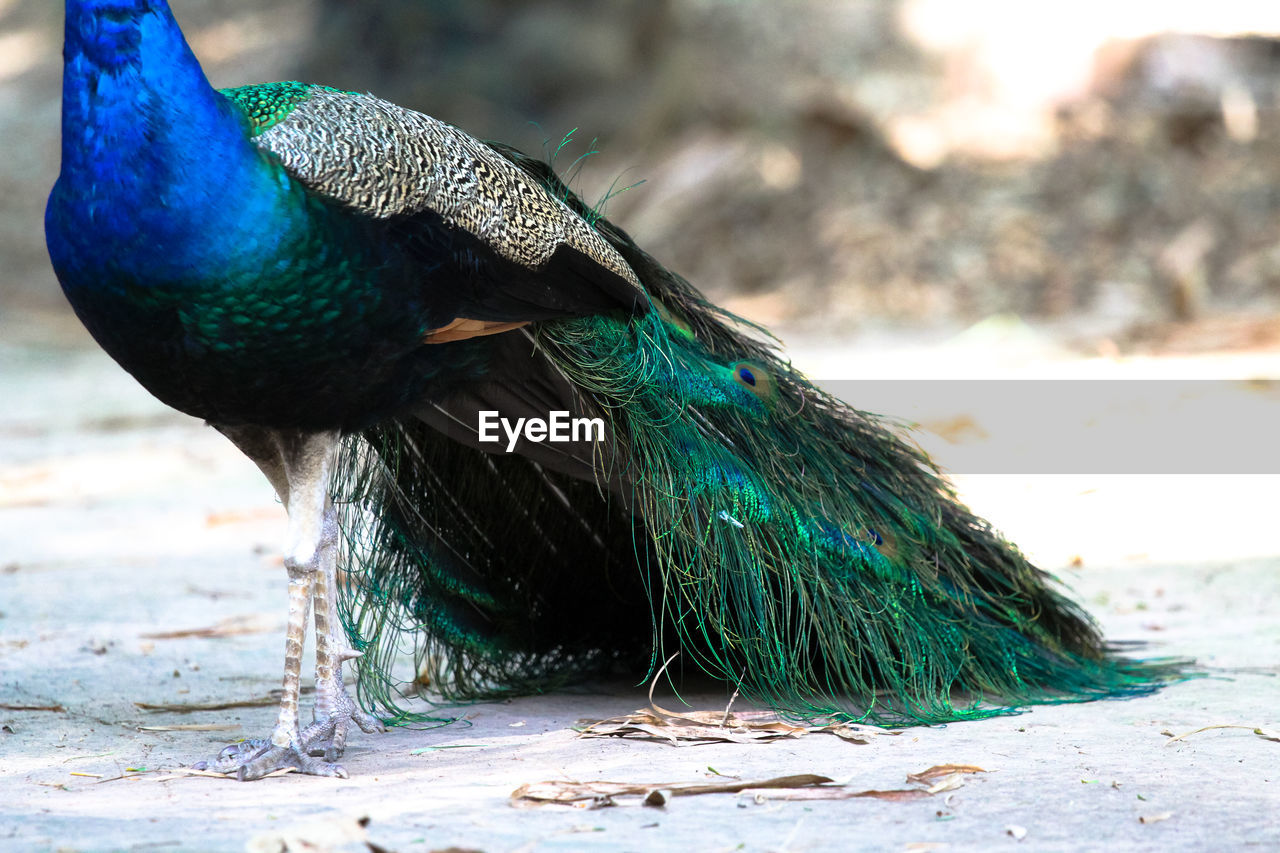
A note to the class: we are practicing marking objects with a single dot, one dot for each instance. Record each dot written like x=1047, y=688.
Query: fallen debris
x=943, y=771
x=180, y=772
x=948, y=777
x=269, y=700
x=691, y=728
x=805, y=786
x=257, y=702
x=1264, y=733
x=193, y=727
x=601, y=794
x=700, y=727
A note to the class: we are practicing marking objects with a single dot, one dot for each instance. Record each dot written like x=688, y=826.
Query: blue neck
x=158, y=172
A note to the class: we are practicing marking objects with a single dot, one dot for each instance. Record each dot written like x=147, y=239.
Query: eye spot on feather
x=883, y=545
x=755, y=379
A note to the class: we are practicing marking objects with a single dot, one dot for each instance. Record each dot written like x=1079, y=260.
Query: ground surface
x=121, y=521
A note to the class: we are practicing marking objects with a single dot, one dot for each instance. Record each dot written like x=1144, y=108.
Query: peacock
x=507, y=438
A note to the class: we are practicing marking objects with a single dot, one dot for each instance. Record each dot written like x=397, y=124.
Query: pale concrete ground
x=120, y=519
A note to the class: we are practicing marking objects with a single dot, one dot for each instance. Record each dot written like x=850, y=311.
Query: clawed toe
x=235, y=756
x=327, y=738
x=284, y=758
x=368, y=723
x=313, y=751
x=253, y=759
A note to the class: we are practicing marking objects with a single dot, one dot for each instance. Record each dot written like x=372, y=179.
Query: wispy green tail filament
x=784, y=541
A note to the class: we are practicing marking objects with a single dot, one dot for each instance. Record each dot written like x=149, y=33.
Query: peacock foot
x=327, y=736
x=253, y=759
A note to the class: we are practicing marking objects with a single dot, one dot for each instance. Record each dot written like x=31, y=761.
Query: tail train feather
x=783, y=540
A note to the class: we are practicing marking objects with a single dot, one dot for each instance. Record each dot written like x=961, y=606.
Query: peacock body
x=344, y=287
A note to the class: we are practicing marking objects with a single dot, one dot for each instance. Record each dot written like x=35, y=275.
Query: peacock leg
x=298, y=465
x=335, y=709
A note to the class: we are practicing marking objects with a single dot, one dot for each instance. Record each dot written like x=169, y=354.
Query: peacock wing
x=492, y=245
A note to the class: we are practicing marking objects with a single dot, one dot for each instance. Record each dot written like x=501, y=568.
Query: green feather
x=784, y=541
x=267, y=104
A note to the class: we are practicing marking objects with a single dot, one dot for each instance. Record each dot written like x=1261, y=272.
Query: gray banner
x=1083, y=426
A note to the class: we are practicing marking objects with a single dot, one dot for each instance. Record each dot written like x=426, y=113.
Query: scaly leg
x=334, y=710
x=298, y=466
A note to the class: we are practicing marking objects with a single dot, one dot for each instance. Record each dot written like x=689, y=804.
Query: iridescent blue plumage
x=133, y=181
x=172, y=215
x=166, y=218
x=341, y=285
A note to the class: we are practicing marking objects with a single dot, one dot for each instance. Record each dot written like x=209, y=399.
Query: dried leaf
x=193, y=727
x=945, y=777
x=896, y=795
x=180, y=772
x=191, y=707
x=272, y=698
x=6, y=706
x=938, y=771
x=900, y=795
x=800, y=780
x=698, y=727
x=688, y=728
x=1269, y=734
x=568, y=793
x=647, y=726
x=853, y=734
x=947, y=783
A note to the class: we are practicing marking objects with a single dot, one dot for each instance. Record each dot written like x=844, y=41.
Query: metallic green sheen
x=267, y=104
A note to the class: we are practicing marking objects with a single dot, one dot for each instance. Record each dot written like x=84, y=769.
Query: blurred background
x=918, y=189
x=1107, y=176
